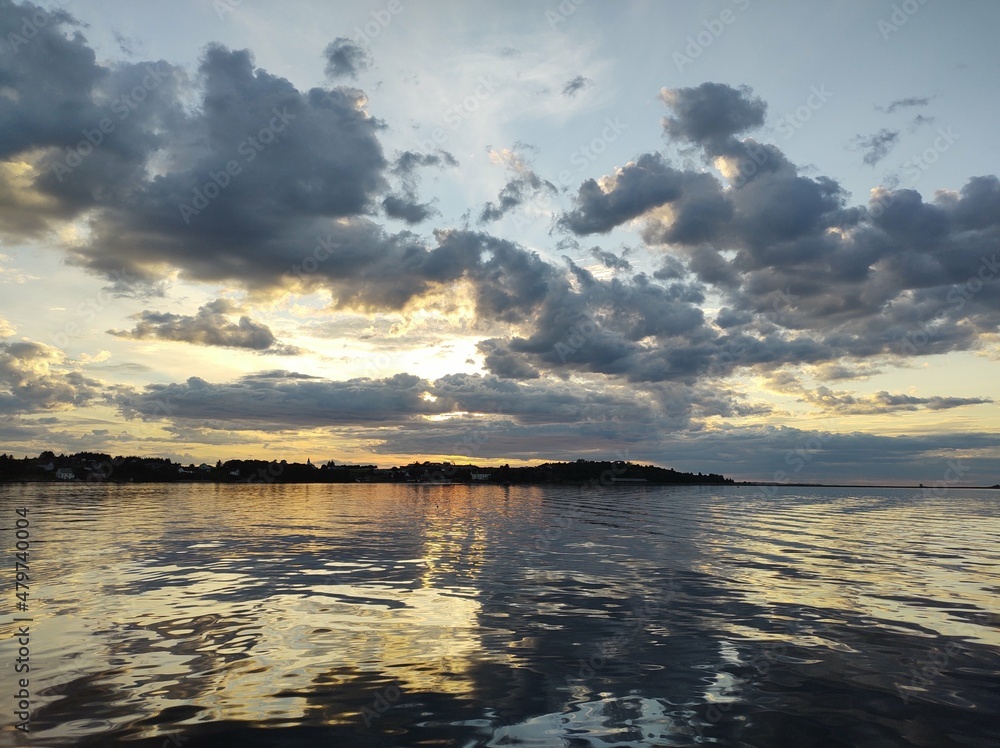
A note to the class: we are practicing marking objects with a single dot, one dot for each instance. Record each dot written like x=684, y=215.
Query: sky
x=757, y=239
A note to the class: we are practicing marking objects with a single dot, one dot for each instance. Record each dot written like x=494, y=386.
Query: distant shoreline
x=97, y=467
x=568, y=484
x=919, y=487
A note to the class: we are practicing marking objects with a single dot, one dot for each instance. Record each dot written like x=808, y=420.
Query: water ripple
x=491, y=616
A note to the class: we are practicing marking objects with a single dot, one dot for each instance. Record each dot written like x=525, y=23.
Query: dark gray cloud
x=84, y=129
x=407, y=209
x=210, y=326
x=711, y=115
x=266, y=187
x=408, y=162
x=522, y=185
x=610, y=259
x=281, y=399
x=405, y=205
x=910, y=101
x=877, y=146
x=499, y=360
x=639, y=186
x=345, y=58
x=576, y=85
x=635, y=329
x=253, y=173
x=806, y=278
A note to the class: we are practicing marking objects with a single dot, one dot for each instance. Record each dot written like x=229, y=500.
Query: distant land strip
x=97, y=467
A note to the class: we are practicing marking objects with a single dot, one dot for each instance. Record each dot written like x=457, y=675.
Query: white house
x=65, y=473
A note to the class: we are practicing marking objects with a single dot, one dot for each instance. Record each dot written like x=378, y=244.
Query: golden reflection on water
x=233, y=659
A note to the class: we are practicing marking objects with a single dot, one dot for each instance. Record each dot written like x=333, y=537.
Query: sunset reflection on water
x=481, y=615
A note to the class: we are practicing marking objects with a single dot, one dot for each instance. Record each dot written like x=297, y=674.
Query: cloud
x=6, y=329
x=877, y=146
x=297, y=160
x=634, y=189
x=710, y=115
x=522, y=185
x=405, y=205
x=407, y=209
x=281, y=399
x=345, y=59
x=36, y=377
x=610, y=259
x=833, y=371
x=501, y=362
x=839, y=402
x=911, y=101
x=408, y=162
x=210, y=327
x=576, y=85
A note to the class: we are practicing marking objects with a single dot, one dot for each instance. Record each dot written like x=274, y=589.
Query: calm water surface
x=392, y=615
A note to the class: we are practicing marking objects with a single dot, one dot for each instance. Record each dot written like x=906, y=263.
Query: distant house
x=480, y=476
x=65, y=473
